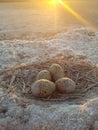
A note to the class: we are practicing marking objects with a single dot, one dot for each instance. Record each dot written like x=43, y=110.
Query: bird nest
x=17, y=80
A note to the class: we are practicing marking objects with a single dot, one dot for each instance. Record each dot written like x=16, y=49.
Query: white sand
x=76, y=41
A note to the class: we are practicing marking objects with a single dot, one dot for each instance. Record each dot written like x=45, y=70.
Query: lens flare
x=75, y=14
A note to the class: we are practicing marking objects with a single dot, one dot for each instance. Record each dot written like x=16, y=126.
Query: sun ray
x=79, y=17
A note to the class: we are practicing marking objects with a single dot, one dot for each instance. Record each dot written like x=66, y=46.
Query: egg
x=56, y=71
x=65, y=85
x=42, y=88
x=44, y=74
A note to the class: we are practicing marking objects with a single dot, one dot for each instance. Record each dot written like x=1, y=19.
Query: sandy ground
x=21, y=47
x=76, y=41
x=40, y=115
x=46, y=32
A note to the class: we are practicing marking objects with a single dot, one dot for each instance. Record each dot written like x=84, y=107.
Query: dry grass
x=17, y=80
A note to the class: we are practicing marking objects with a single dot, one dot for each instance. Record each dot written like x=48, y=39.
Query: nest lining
x=17, y=80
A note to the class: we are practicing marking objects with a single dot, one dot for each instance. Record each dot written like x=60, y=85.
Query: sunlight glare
x=79, y=17
x=54, y=2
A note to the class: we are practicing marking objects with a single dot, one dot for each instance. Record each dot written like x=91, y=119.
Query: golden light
x=74, y=13
x=54, y=2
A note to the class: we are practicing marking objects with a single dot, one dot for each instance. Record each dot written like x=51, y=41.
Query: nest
x=17, y=80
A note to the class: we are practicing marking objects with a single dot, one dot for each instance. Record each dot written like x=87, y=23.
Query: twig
x=77, y=77
x=24, y=87
x=91, y=86
x=12, y=79
x=10, y=89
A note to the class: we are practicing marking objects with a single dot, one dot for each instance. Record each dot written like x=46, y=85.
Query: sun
x=54, y=2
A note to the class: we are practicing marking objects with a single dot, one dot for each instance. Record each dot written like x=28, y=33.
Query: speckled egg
x=56, y=71
x=65, y=85
x=44, y=74
x=42, y=88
